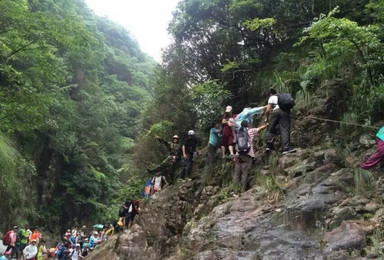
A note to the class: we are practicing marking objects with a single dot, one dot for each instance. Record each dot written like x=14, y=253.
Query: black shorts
x=20, y=248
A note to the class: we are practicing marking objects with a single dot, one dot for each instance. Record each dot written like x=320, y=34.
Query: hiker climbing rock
x=188, y=149
x=170, y=163
x=227, y=141
x=378, y=156
x=213, y=143
x=158, y=182
x=244, y=153
x=278, y=113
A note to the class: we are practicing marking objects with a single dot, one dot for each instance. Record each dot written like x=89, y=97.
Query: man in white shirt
x=158, y=182
x=277, y=116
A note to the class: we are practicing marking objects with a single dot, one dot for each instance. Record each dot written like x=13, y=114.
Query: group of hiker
x=237, y=134
x=233, y=135
x=75, y=244
x=180, y=154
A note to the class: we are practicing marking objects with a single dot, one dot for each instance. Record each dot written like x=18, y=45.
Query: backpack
x=161, y=183
x=60, y=252
x=285, y=101
x=243, y=141
x=7, y=238
x=122, y=211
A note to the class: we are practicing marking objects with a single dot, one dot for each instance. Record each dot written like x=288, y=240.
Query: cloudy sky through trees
x=146, y=20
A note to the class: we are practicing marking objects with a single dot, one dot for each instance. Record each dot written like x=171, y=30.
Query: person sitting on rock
x=244, y=153
x=169, y=164
x=379, y=154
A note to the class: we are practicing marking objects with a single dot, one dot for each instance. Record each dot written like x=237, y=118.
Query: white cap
x=228, y=109
x=191, y=132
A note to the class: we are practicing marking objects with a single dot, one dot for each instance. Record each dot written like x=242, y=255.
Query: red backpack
x=7, y=238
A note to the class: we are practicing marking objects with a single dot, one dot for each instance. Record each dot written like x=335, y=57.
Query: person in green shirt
x=22, y=240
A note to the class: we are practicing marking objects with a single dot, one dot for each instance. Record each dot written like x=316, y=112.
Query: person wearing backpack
x=22, y=240
x=278, y=113
x=158, y=182
x=188, y=149
x=244, y=153
x=9, y=240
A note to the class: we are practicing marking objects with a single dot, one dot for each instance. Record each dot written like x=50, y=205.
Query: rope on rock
x=339, y=122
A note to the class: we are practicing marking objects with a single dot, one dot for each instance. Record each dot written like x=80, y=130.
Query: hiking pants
x=211, y=156
x=187, y=167
x=376, y=157
x=283, y=119
x=243, y=167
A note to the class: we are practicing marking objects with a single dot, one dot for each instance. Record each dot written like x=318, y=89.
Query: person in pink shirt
x=244, y=153
x=12, y=240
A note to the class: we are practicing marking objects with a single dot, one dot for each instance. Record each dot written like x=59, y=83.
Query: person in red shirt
x=228, y=136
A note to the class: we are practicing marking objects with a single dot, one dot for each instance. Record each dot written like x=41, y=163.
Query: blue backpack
x=60, y=253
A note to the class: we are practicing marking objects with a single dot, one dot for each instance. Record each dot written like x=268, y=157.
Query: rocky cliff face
x=311, y=205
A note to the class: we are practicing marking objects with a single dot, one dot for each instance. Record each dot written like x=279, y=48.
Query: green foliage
x=363, y=181
x=161, y=129
x=15, y=190
x=208, y=98
x=73, y=87
x=258, y=23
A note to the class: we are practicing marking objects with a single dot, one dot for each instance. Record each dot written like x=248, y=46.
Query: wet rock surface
x=317, y=217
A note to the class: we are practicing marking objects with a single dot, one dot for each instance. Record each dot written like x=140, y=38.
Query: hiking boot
x=289, y=150
x=231, y=156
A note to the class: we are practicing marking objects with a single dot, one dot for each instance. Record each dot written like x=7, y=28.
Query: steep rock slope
x=314, y=212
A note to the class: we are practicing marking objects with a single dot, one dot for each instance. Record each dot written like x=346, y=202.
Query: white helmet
x=191, y=132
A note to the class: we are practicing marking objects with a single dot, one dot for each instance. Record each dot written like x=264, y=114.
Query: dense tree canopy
x=72, y=88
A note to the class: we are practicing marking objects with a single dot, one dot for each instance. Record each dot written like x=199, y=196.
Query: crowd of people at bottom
x=76, y=244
